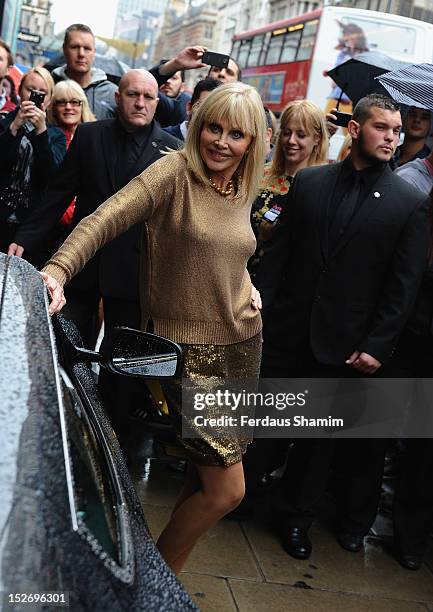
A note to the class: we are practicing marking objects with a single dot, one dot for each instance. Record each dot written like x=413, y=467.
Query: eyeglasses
x=73, y=103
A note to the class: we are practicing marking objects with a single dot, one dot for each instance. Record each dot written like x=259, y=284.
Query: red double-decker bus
x=287, y=60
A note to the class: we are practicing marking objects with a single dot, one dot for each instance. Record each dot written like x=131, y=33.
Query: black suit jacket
x=89, y=172
x=356, y=297
x=175, y=131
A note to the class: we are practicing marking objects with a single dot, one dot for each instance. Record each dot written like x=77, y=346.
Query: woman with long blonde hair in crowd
x=302, y=142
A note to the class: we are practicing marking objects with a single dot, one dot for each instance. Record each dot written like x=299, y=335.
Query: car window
x=94, y=495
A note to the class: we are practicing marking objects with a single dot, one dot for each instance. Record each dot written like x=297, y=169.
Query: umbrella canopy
x=357, y=76
x=113, y=68
x=411, y=85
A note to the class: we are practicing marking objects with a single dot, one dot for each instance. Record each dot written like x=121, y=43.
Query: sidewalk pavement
x=240, y=565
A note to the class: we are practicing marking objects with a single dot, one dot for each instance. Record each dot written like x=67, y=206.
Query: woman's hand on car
x=55, y=290
x=256, y=300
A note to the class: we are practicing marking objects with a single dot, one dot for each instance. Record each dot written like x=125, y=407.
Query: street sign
x=31, y=38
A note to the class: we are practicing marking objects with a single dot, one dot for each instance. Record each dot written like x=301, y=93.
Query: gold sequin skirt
x=205, y=366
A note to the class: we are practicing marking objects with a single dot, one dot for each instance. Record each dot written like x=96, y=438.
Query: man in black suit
x=337, y=286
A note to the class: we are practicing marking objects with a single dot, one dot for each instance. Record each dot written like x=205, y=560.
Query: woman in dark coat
x=30, y=153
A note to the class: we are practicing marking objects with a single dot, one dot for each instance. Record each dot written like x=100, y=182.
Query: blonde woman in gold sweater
x=195, y=206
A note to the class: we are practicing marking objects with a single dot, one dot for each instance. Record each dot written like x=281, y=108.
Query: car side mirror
x=140, y=354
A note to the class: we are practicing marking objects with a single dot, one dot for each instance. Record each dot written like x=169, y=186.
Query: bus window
x=244, y=52
x=235, y=50
x=307, y=43
x=291, y=44
x=256, y=49
x=275, y=46
x=390, y=38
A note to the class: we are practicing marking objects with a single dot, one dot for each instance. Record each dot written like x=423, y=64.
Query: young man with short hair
x=79, y=51
x=338, y=284
x=416, y=128
x=230, y=74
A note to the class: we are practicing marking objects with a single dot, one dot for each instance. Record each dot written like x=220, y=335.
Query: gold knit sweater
x=194, y=285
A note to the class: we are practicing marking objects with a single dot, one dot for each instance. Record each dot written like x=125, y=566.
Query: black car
x=72, y=527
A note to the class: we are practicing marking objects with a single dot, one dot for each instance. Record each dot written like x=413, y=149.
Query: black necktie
x=345, y=212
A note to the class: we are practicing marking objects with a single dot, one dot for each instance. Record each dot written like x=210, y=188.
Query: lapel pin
x=376, y=194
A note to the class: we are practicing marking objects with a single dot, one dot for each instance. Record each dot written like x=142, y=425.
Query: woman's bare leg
x=191, y=485
x=222, y=489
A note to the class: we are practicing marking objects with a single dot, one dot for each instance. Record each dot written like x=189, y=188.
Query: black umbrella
x=357, y=76
x=113, y=68
x=411, y=85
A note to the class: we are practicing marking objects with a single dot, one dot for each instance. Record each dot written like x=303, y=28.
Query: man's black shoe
x=350, y=541
x=410, y=562
x=296, y=542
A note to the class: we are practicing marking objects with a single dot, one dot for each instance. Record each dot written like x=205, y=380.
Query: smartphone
x=342, y=118
x=37, y=97
x=215, y=59
x=272, y=215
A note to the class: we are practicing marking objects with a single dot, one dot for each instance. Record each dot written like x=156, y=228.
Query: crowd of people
x=167, y=207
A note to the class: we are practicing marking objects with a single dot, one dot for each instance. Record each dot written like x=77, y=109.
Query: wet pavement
x=240, y=565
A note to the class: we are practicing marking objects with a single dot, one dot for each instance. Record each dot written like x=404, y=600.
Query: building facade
x=282, y=9
x=139, y=22
x=195, y=25
x=35, y=25
x=417, y=9
x=10, y=21
x=237, y=16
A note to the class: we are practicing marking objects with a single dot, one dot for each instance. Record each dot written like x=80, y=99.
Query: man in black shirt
x=337, y=286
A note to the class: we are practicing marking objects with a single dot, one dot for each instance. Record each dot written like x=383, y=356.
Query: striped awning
x=411, y=85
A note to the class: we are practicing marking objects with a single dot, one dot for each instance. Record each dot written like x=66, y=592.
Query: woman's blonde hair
x=345, y=148
x=242, y=107
x=45, y=75
x=69, y=89
x=313, y=121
